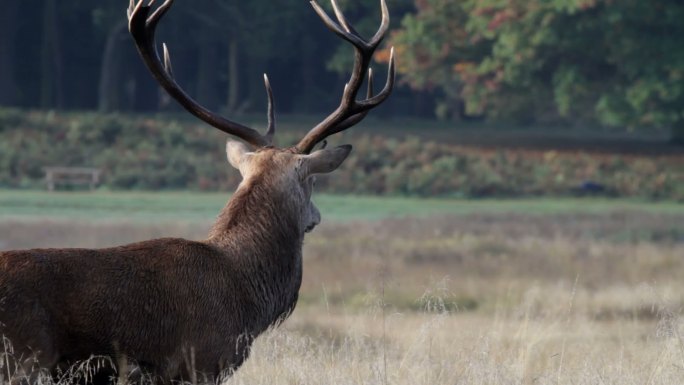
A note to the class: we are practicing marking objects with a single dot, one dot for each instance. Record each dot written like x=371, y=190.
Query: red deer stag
x=181, y=309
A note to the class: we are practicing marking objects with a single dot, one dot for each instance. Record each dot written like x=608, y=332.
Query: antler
x=142, y=27
x=350, y=110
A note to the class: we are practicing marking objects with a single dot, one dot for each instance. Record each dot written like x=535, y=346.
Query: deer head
x=287, y=174
x=142, y=23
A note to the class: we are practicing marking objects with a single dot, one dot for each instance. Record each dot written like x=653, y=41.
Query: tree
x=433, y=49
x=8, y=33
x=52, y=85
x=620, y=62
x=242, y=35
x=107, y=19
x=78, y=55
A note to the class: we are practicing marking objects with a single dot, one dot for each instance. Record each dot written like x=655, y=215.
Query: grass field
x=189, y=206
x=409, y=291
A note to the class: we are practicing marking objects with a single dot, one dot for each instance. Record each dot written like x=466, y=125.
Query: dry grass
x=471, y=299
x=518, y=348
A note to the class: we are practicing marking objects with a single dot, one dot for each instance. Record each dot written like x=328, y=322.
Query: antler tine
x=167, y=60
x=158, y=13
x=353, y=39
x=142, y=27
x=350, y=111
x=369, y=92
x=354, y=119
x=384, y=25
x=129, y=10
x=340, y=17
x=271, y=110
x=371, y=102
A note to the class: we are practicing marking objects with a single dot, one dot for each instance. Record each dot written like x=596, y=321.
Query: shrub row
x=163, y=153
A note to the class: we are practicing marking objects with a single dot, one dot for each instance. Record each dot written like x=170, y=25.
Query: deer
x=184, y=310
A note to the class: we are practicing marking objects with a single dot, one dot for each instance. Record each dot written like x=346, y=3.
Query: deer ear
x=327, y=160
x=236, y=152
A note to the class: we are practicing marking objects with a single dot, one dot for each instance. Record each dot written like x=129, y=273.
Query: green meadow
x=196, y=206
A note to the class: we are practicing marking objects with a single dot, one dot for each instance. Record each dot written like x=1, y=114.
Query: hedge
x=144, y=152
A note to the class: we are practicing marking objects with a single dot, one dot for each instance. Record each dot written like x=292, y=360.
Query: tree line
x=72, y=55
x=607, y=62
x=615, y=63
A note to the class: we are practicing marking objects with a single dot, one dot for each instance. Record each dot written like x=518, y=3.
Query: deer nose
x=316, y=216
x=315, y=219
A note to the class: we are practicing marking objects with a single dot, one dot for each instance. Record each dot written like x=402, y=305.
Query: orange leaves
x=400, y=51
x=500, y=18
x=586, y=4
x=383, y=55
x=463, y=67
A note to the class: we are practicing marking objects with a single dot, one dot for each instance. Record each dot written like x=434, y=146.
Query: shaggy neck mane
x=259, y=215
x=259, y=229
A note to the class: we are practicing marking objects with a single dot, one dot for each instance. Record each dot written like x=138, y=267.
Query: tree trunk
x=109, y=87
x=52, y=92
x=309, y=90
x=144, y=93
x=233, y=75
x=8, y=32
x=677, y=133
x=207, y=71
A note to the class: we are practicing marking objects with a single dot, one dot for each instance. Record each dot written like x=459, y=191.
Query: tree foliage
x=433, y=47
x=615, y=62
x=77, y=55
x=612, y=62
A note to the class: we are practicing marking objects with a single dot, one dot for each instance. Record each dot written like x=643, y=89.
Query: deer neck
x=259, y=230
x=260, y=223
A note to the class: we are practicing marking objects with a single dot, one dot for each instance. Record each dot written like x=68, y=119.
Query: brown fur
x=162, y=302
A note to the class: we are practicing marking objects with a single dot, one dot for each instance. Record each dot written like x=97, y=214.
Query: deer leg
x=27, y=358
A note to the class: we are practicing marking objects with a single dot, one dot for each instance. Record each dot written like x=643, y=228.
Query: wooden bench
x=71, y=176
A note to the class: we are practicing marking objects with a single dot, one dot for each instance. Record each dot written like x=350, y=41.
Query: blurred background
x=512, y=214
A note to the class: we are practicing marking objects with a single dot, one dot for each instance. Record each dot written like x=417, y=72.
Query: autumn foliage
x=616, y=63
x=164, y=153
